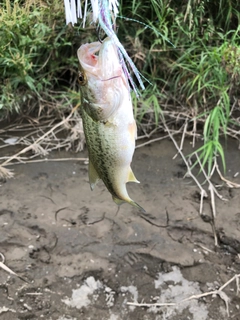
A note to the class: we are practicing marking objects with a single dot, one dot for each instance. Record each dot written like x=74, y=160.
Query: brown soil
x=84, y=260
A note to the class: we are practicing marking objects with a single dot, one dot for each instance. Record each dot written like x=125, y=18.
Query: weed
x=188, y=50
x=191, y=55
x=36, y=54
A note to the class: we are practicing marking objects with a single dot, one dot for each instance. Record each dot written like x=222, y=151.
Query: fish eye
x=81, y=78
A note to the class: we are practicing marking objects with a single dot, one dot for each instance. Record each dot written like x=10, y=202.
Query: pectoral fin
x=131, y=177
x=93, y=175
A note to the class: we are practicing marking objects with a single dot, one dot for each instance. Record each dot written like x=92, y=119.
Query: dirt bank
x=84, y=260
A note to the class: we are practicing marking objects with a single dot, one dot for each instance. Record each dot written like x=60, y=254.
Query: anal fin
x=131, y=177
x=93, y=175
x=118, y=201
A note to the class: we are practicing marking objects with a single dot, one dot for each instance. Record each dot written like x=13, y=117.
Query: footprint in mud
x=6, y=217
x=41, y=176
x=83, y=217
x=43, y=245
x=24, y=214
x=40, y=254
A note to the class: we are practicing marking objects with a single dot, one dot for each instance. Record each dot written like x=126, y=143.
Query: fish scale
x=98, y=152
x=108, y=122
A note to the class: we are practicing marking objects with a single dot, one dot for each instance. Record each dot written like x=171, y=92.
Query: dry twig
x=4, y=267
x=229, y=183
x=189, y=172
x=183, y=138
x=44, y=144
x=48, y=160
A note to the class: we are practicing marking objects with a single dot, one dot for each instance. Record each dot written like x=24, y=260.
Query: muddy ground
x=82, y=259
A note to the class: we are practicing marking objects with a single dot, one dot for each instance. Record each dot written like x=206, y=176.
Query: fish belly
x=111, y=146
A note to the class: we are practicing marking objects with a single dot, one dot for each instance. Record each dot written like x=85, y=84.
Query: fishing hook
x=98, y=30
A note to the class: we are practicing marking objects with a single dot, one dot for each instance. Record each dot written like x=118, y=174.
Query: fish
x=107, y=115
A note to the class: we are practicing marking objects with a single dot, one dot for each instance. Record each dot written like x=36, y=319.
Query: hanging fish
x=108, y=122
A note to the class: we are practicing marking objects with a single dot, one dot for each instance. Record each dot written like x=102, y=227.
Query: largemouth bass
x=107, y=115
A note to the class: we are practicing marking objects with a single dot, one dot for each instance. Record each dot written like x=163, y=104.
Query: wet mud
x=81, y=258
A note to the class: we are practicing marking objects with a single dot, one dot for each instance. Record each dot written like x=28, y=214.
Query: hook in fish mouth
x=98, y=31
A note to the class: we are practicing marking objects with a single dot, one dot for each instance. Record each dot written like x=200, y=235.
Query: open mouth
x=100, y=59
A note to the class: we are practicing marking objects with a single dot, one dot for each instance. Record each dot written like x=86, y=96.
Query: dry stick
x=219, y=292
x=213, y=191
x=201, y=203
x=149, y=305
x=194, y=131
x=39, y=139
x=208, y=180
x=233, y=106
x=21, y=159
x=228, y=182
x=47, y=160
x=147, y=135
x=210, y=188
x=213, y=168
x=203, y=192
x=182, y=140
x=151, y=141
x=4, y=267
x=203, y=247
x=5, y=173
x=231, y=132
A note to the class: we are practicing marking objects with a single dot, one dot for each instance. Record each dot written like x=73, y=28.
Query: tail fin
x=133, y=203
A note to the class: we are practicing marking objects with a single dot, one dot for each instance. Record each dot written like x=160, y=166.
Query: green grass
x=193, y=62
x=36, y=55
x=188, y=50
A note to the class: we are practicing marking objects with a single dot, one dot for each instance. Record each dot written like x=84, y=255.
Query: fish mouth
x=87, y=56
x=106, y=86
x=100, y=59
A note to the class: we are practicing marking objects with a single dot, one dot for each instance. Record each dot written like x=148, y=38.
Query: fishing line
x=127, y=73
x=147, y=26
